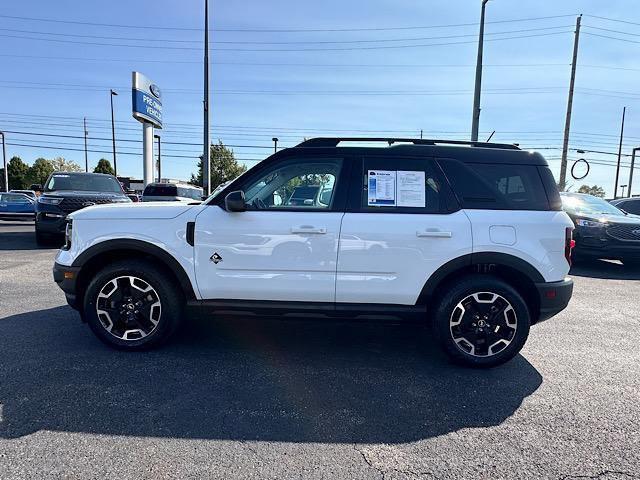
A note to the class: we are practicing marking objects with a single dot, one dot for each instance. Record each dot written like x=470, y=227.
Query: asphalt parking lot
x=258, y=398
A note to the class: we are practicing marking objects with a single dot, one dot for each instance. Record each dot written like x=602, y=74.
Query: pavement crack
x=369, y=462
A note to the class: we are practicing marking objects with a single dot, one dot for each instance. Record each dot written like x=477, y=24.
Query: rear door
x=401, y=225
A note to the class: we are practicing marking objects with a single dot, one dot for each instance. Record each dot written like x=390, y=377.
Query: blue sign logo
x=154, y=90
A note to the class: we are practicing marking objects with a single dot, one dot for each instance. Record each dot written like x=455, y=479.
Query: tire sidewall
x=457, y=292
x=170, y=304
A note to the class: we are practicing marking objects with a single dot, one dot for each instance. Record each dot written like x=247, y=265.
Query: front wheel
x=132, y=305
x=481, y=321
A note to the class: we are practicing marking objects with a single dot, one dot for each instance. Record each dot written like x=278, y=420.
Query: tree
x=595, y=190
x=104, y=166
x=223, y=166
x=40, y=171
x=18, y=174
x=60, y=164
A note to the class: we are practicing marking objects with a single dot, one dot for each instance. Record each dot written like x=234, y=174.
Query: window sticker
x=411, y=189
x=381, y=188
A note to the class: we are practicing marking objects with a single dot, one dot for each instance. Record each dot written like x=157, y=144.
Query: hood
x=82, y=194
x=612, y=219
x=135, y=211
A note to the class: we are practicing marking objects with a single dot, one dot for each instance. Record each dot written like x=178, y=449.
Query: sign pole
x=147, y=153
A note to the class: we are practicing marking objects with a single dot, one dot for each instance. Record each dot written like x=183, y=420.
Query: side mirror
x=234, y=201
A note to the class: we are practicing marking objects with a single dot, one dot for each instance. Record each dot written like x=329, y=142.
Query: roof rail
x=334, y=141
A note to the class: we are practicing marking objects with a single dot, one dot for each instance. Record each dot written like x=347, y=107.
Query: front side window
x=295, y=184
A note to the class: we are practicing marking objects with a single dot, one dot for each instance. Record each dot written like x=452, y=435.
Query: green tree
x=40, y=171
x=18, y=174
x=104, y=166
x=60, y=164
x=223, y=166
x=595, y=190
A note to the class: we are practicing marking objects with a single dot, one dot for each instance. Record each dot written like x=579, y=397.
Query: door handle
x=308, y=229
x=434, y=233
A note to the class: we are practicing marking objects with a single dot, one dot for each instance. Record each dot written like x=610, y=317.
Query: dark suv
x=67, y=192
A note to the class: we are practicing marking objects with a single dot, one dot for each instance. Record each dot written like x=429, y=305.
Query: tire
x=492, y=338
x=133, y=305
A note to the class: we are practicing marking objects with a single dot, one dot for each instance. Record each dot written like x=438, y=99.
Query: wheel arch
x=109, y=251
x=519, y=273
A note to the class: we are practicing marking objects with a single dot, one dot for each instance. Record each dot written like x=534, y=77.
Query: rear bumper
x=66, y=278
x=553, y=297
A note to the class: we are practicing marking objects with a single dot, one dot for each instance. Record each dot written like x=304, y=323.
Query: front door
x=284, y=247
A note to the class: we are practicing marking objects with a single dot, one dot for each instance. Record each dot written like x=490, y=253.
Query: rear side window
x=401, y=185
x=494, y=186
x=161, y=191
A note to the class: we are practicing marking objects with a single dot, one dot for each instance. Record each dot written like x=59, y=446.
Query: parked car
x=629, y=205
x=29, y=193
x=468, y=237
x=65, y=193
x=16, y=206
x=602, y=229
x=171, y=192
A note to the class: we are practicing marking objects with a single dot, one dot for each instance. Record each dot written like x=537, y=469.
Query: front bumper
x=46, y=222
x=67, y=278
x=596, y=243
x=553, y=297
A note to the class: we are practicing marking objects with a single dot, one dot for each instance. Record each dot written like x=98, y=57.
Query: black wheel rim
x=483, y=324
x=128, y=308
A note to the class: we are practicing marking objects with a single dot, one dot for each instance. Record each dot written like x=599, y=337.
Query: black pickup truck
x=66, y=192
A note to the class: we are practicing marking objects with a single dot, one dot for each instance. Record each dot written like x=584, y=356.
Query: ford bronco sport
x=469, y=237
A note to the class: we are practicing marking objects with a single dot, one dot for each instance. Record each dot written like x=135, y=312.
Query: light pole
x=615, y=188
x=476, y=94
x=206, y=154
x=633, y=163
x=113, y=133
x=622, y=187
x=275, y=144
x=4, y=159
x=157, y=137
x=86, y=134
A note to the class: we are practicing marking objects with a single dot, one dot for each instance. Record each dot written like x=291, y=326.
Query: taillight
x=569, y=243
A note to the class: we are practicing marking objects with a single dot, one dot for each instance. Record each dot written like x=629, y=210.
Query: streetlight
x=622, y=187
x=4, y=159
x=275, y=144
x=159, y=159
x=113, y=133
x=475, y=124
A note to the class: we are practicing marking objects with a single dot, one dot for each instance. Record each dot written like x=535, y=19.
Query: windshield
x=83, y=183
x=588, y=205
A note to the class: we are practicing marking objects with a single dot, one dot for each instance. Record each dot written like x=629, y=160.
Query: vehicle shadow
x=243, y=379
x=605, y=269
x=23, y=239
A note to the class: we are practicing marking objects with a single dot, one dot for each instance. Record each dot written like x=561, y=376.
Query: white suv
x=469, y=237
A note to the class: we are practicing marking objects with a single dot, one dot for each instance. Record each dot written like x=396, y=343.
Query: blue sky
x=349, y=68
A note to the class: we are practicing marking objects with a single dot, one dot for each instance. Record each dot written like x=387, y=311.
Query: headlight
x=68, y=232
x=49, y=200
x=581, y=222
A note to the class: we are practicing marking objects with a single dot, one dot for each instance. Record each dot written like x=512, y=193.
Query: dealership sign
x=146, y=100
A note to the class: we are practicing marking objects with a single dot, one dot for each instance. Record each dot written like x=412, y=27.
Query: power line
x=280, y=30
x=324, y=49
x=610, y=37
x=612, y=19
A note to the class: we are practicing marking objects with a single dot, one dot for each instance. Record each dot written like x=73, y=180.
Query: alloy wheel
x=483, y=324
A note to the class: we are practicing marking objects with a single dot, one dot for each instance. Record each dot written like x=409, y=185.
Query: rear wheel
x=132, y=305
x=481, y=321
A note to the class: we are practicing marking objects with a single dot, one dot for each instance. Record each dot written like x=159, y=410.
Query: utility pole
x=475, y=124
x=157, y=137
x=633, y=163
x=275, y=144
x=420, y=134
x=86, y=133
x=615, y=188
x=113, y=134
x=206, y=160
x=4, y=159
x=567, y=124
